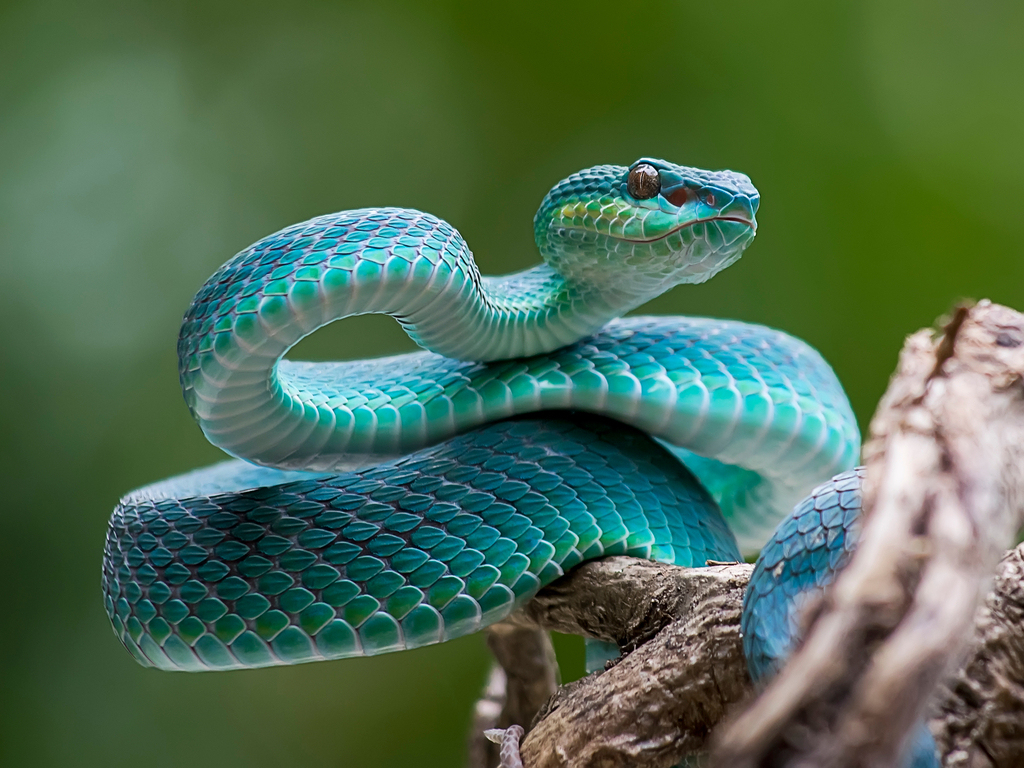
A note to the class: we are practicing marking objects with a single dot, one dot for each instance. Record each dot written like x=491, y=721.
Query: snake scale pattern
x=385, y=504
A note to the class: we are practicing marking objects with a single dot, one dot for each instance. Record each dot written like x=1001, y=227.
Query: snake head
x=641, y=229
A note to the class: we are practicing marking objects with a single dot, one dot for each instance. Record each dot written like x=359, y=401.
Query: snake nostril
x=707, y=197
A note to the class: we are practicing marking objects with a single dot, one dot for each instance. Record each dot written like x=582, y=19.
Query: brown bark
x=684, y=665
x=943, y=496
x=660, y=702
x=978, y=714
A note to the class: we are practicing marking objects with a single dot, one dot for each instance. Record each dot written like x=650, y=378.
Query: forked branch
x=944, y=495
x=943, y=498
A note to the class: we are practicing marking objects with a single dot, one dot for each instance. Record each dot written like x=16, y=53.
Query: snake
x=378, y=505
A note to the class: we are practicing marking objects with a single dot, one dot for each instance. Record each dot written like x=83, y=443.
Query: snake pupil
x=644, y=182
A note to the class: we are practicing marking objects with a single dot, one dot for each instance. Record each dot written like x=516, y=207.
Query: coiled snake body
x=386, y=504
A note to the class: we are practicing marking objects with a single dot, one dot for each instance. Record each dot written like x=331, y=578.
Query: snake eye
x=643, y=182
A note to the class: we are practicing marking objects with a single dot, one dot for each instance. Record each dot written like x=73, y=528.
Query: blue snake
x=386, y=504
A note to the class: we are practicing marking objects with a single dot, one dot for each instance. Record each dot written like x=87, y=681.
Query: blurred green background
x=143, y=143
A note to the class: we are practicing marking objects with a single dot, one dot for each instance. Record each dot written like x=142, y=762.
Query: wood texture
x=944, y=497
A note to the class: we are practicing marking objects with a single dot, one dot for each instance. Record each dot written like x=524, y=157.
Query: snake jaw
x=749, y=223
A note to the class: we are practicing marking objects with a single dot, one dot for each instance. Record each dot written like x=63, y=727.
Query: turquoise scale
x=378, y=505
x=756, y=413
x=760, y=413
x=801, y=559
x=432, y=546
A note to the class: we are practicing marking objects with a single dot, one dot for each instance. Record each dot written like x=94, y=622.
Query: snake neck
x=526, y=313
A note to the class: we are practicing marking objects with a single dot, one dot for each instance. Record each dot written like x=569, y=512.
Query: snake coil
x=385, y=504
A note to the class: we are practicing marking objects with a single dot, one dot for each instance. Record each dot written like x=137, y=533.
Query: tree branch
x=944, y=491
x=978, y=714
x=661, y=700
x=659, y=703
x=942, y=500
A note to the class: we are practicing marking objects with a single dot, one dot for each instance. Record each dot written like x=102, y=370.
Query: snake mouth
x=734, y=219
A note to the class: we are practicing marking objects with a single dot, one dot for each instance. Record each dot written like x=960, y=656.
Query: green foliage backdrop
x=143, y=143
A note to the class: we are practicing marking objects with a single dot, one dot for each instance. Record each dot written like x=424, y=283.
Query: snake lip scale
x=378, y=505
x=734, y=219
